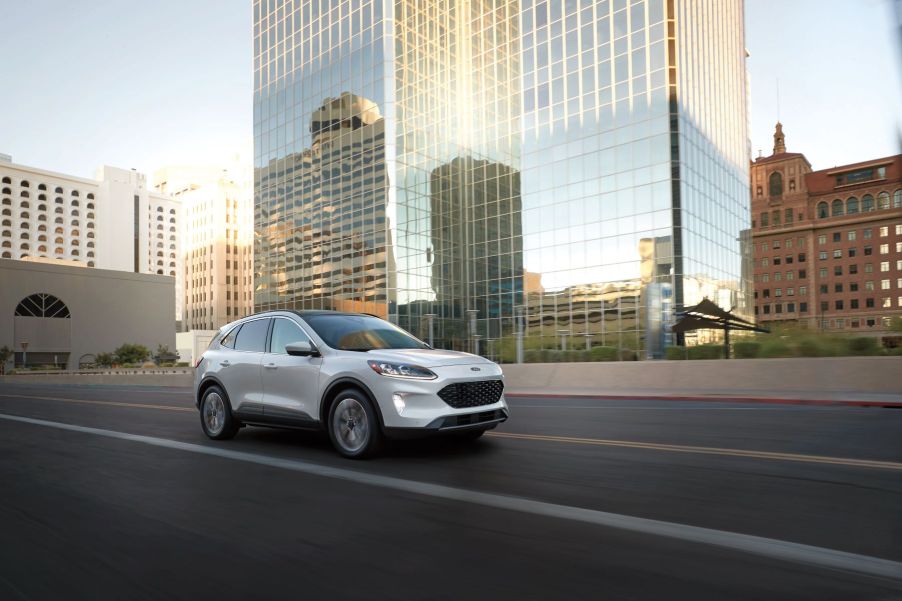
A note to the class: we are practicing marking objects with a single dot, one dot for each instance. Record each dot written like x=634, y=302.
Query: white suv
x=357, y=376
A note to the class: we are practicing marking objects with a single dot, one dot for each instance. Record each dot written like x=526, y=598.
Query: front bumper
x=458, y=422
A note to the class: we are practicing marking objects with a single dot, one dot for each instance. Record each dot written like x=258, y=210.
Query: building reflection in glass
x=563, y=161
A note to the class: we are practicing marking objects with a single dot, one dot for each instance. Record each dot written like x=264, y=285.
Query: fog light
x=398, y=400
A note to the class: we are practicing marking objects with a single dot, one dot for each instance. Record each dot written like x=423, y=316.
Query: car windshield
x=360, y=333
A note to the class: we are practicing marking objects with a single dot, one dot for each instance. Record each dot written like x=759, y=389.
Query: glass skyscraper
x=569, y=171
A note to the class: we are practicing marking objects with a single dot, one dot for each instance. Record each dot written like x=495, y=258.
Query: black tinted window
x=285, y=332
x=360, y=332
x=252, y=336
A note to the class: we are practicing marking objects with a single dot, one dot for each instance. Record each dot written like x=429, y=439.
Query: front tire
x=354, y=425
x=216, y=415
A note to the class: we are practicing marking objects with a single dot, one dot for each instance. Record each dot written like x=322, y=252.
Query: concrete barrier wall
x=827, y=375
x=809, y=375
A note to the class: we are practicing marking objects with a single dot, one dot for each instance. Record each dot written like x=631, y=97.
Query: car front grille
x=472, y=394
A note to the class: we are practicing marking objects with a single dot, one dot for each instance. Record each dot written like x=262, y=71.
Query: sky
x=141, y=85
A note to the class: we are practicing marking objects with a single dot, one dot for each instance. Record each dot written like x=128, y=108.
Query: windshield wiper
x=358, y=350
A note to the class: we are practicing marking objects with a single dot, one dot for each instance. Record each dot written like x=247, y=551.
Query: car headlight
x=401, y=370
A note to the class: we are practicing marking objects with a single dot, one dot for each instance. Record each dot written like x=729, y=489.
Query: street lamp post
x=430, y=320
x=519, y=310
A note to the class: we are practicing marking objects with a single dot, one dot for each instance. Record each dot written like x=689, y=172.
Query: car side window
x=252, y=336
x=228, y=340
x=285, y=332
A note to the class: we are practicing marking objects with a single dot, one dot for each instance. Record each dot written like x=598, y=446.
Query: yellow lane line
x=107, y=403
x=865, y=463
x=862, y=463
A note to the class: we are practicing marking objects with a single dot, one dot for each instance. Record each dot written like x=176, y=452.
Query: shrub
x=706, y=351
x=746, y=350
x=775, y=348
x=603, y=353
x=675, y=353
x=132, y=353
x=863, y=345
x=148, y=365
x=532, y=356
x=628, y=355
x=104, y=359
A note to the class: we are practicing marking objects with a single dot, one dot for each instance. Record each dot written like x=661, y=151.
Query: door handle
x=271, y=366
x=225, y=363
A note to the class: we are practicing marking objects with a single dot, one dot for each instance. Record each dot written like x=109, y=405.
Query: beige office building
x=217, y=242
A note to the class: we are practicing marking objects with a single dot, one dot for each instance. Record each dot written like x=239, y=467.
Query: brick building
x=827, y=245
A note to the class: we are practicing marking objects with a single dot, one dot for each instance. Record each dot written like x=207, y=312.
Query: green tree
x=5, y=354
x=131, y=353
x=104, y=359
x=163, y=354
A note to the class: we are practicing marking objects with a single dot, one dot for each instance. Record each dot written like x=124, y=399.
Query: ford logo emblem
x=475, y=369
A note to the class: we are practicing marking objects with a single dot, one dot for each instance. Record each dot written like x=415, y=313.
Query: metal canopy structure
x=708, y=316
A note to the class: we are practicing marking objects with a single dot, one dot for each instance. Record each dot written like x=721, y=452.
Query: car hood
x=426, y=357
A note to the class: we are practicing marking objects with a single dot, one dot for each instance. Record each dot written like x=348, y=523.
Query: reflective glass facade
x=569, y=171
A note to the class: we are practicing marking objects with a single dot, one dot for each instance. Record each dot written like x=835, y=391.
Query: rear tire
x=354, y=425
x=216, y=415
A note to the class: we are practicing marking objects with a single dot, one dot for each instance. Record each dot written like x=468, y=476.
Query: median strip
x=756, y=545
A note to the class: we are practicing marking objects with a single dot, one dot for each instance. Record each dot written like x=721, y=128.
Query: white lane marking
x=756, y=545
x=684, y=409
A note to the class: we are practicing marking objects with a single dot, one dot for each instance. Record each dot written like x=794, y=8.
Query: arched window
x=42, y=197
x=74, y=213
x=6, y=234
x=74, y=203
x=25, y=225
x=90, y=245
x=7, y=223
x=58, y=230
x=58, y=220
x=897, y=199
x=74, y=232
x=74, y=192
x=58, y=240
x=836, y=210
x=90, y=263
x=172, y=220
x=58, y=210
x=42, y=228
x=74, y=243
x=24, y=246
x=159, y=271
x=42, y=249
x=90, y=224
x=159, y=218
x=159, y=209
x=851, y=206
x=159, y=227
x=74, y=222
x=172, y=229
x=57, y=190
x=7, y=202
x=24, y=205
x=6, y=255
x=159, y=253
x=74, y=252
x=42, y=217
x=172, y=211
x=42, y=207
x=7, y=212
x=24, y=194
x=7, y=244
x=90, y=234
x=6, y=191
x=25, y=183
x=24, y=215
x=883, y=200
x=90, y=215
x=6, y=180
x=42, y=305
x=867, y=203
x=42, y=186
x=90, y=206
x=58, y=200
x=58, y=251
x=25, y=235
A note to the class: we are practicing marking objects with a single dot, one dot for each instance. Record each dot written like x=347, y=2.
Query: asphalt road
x=114, y=493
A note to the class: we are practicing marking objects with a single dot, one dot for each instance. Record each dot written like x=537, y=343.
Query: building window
x=837, y=254
x=790, y=291
x=767, y=293
x=851, y=235
x=822, y=255
x=853, y=269
x=884, y=266
x=869, y=285
x=853, y=304
x=853, y=287
x=775, y=184
x=887, y=302
x=790, y=275
x=825, y=306
x=801, y=257
x=824, y=289
x=869, y=303
x=778, y=276
x=837, y=208
x=837, y=287
x=837, y=270
x=765, y=219
x=884, y=249
x=852, y=252
x=803, y=307
x=867, y=203
x=767, y=309
x=822, y=272
x=852, y=206
x=823, y=210
x=868, y=251
x=776, y=260
x=883, y=200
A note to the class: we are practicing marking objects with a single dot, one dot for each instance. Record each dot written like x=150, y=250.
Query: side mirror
x=301, y=349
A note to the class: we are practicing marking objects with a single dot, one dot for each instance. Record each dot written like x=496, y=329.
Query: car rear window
x=252, y=336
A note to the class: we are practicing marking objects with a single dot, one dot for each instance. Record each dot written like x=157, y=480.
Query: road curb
x=709, y=399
